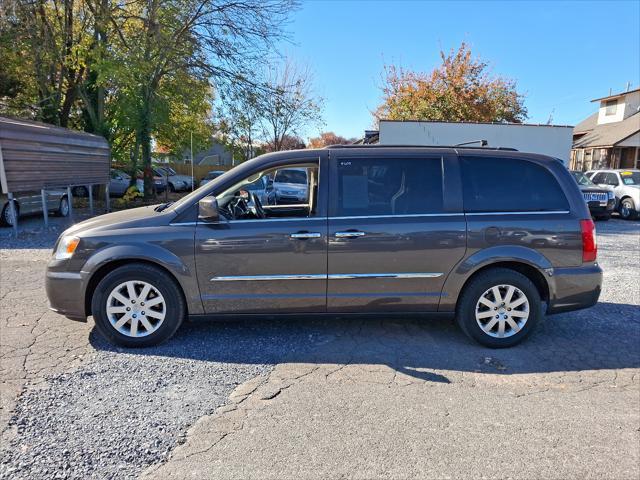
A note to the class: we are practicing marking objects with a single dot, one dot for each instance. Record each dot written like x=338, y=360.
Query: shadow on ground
x=606, y=336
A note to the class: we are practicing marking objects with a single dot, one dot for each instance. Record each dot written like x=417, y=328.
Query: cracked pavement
x=336, y=398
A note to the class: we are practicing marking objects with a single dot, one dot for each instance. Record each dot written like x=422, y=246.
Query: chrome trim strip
x=65, y=275
x=336, y=276
x=236, y=278
x=347, y=276
x=537, y=212
x=415, y=215
x=183, y=224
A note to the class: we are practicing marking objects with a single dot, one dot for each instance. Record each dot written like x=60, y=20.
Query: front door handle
x=352, y=234
x=305, y=235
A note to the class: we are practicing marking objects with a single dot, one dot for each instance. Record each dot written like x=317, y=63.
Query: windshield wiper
x=162, y=206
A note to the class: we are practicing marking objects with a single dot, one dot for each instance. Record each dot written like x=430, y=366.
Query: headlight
x=66, y=247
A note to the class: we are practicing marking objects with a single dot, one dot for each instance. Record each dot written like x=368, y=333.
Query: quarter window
x=509, y=185
x=389, y=186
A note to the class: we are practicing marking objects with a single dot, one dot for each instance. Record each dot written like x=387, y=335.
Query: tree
x=239, y=115
x=328, y=138
x=287, y=142
x=460, y=89
x=288, y=104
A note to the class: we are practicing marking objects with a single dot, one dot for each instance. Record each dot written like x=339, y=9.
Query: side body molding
x=181, y=267
x=504, y=253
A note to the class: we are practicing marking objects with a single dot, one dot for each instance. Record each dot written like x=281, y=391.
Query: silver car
x=626, y=187
x=29, y=203
x=291, y=186
x=175, y=182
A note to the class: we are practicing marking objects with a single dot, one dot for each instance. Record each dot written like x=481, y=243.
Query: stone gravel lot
x=302, y=398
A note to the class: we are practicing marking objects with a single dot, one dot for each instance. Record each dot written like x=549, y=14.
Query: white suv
x=626, y=188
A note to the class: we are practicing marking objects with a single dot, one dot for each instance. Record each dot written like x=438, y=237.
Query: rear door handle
x=305, y=235
x=353, y=234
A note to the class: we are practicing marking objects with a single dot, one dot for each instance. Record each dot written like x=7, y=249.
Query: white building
x=552, y=140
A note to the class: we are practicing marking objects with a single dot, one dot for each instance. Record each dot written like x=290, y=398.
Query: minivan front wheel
x=499, y=308
x=137, y=306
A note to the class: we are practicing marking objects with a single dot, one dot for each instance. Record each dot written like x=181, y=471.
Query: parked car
x=175, y=182
x=29, y=203
x=493, y=237
x=290, y=186
x=212, y=175
x=601, y=200
x=121, y=181
x=626, y=187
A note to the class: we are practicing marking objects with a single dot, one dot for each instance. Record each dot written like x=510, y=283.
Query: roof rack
x=377, y=145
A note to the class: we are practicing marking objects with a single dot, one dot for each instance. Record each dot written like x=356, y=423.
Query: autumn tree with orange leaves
x=328, y=138
x=460, y=90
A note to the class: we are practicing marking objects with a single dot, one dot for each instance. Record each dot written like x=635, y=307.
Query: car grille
x=594, y=196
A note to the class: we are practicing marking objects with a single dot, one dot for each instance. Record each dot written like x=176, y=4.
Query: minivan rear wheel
x=499, y=308
x=137, y=305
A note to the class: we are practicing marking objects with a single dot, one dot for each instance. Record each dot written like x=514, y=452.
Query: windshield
x=291, y=176
x=170, y=170
x=581, y=178
x=630, y=178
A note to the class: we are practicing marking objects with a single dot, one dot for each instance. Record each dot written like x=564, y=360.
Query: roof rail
x=377, y=145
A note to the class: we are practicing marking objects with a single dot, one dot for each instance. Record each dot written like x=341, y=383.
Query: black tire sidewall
x=632, y=210
x=465, y=313
x=176, y=308
x=5, y=212
x=60, y=210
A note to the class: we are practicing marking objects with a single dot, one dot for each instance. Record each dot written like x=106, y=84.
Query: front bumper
x=602, y=208
x=574, y=288
x=65, y=291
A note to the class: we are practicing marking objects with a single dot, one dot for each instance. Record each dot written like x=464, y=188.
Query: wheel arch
x=109, y=267
x=526, y=261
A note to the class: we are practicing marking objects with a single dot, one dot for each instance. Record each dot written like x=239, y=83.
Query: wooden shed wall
x=36, y=155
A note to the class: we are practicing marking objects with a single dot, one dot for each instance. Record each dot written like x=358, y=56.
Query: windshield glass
x=630, y=178
x=581, y=178
x=291, y=176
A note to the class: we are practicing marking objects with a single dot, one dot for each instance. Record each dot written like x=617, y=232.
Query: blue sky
x=562, y=54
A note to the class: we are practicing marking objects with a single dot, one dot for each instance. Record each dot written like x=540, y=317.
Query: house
x=610, y=138
x=217, y=154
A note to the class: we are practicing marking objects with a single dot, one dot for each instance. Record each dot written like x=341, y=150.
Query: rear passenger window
x=389, y=186
x=509, y=185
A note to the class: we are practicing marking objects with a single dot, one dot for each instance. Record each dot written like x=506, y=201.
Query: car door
x=393, y=233
x=271, y=265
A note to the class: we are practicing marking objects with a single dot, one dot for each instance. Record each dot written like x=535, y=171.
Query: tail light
x=589, y=244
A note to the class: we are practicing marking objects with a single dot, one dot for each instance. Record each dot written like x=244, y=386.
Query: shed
x=37, y=156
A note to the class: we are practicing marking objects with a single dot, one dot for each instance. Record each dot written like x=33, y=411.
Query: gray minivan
x=493, y=237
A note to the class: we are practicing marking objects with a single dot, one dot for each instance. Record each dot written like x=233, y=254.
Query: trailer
x=37, y=159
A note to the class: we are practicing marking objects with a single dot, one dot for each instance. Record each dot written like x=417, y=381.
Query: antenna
x=483, y=143
x=628, y=86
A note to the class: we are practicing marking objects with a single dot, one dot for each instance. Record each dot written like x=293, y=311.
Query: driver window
x=285, y=192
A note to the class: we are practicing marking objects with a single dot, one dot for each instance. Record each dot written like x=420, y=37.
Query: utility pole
x=192, y=161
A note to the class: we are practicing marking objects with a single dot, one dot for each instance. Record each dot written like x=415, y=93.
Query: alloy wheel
x=502, y=311
x=136, y=308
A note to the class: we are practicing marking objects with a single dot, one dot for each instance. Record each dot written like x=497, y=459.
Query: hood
x=133, y=218
x=182, y=178
x=594, y=188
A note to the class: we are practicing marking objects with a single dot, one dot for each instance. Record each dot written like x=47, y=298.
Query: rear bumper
x=65, y=291
x=574, y=288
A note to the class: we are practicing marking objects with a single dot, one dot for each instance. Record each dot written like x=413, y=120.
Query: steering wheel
x=257, y=206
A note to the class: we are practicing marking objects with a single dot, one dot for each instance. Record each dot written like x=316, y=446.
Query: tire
x=5, y=218
x=470, y=304
x=172, y=189
x=164, y=291
x=63, y=207
x=628, y=209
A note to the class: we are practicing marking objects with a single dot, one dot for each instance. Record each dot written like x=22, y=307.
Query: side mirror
x=208, y=209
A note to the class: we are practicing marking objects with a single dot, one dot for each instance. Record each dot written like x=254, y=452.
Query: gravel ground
x=123, y=410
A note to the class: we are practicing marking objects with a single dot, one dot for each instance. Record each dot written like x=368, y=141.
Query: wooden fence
x=199, y=171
